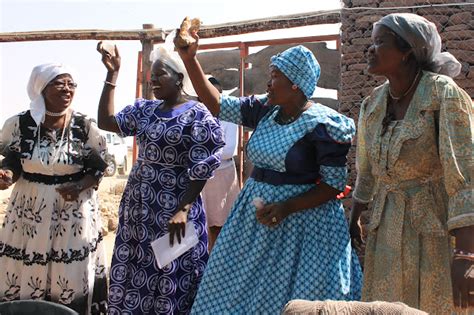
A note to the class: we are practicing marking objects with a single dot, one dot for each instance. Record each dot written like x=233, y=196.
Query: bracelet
x=462, y=252
x=110, y=83
x=464, y=255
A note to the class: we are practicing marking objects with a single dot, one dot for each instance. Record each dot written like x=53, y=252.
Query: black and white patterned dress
x=50, y=248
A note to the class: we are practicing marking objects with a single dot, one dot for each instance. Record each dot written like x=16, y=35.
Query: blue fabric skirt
x=254, y=269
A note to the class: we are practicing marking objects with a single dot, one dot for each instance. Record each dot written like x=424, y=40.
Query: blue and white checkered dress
x=254, y=269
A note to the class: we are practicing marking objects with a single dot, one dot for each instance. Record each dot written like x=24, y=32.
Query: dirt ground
x=110, y=192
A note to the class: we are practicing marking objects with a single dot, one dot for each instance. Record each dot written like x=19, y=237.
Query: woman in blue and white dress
x=179, y=144
x=293, y=243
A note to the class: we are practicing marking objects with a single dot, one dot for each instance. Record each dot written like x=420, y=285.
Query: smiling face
x=385, y=56
x=59, y=92
x=279, y=87
x=165, y=81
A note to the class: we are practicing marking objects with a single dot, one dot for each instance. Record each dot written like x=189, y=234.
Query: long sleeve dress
x=255, y=269
x=419, y=175
x=51, y=249
x=174, y=147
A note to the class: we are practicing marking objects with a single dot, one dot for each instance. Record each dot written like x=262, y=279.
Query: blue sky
x=17, y=59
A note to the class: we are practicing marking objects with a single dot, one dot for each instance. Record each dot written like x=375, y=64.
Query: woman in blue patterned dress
x=296, y=245
x=179, y=146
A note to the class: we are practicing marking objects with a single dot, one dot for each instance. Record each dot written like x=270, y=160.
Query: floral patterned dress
x=175, y=147
x=50, y=248
x=255, y=269
x=419, y=175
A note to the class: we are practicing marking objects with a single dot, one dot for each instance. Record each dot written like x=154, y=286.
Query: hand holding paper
x=166, y=253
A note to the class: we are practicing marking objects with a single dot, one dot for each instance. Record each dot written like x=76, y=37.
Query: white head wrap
x=39, y=78
x=166, y=54
x=425, y=41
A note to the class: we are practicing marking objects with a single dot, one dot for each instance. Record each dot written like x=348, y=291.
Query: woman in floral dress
x=50, y=241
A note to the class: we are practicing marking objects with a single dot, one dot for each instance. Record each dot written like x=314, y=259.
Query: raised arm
x=105, y=113
x=207, y=93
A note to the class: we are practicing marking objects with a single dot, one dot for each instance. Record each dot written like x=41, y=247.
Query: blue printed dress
x=255, y=269
x=174, y=147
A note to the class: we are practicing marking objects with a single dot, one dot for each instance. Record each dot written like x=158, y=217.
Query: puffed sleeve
x=332, y=140
x=205, y=148
x=131, y=117
x=456, y=150
x=94, y=152
x=365, y=182
x=246, y=110
x=11, y=145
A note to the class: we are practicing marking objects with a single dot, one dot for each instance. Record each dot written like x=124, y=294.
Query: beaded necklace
x=53, y=114
x=407, y=91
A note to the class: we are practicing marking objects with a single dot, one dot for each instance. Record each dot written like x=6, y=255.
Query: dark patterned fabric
x=174, y=147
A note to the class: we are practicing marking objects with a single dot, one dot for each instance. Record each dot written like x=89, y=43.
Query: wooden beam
x=271, y=23
x=158, y=35
x=149, y=34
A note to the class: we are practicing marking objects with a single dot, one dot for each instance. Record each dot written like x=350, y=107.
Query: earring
x=178, y=83
x=294, y=87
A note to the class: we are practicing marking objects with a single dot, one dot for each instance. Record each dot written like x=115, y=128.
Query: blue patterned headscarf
x=300, y=66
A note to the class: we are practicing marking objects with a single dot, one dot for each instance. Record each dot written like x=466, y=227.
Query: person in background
x=286, y=236
x=415, y=163
x=51, y=242
x=220, y=192
x=179, y=147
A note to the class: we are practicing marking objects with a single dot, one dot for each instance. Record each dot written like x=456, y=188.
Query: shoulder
x=337, y=126
x=202, y=113
x=444, y=86
x=24, y=118
x=375, y=98
x=257, y=99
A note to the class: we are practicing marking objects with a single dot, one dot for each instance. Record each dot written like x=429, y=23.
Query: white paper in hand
x=164, y=253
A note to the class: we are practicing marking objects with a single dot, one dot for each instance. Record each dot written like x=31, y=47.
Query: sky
x=17, y=59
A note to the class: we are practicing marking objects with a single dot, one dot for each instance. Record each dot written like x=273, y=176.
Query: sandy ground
x=110, y=190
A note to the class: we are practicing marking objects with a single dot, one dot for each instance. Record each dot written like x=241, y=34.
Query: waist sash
x=52, y=179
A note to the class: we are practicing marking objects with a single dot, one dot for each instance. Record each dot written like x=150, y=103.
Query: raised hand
x=188, y=52
x=109, y=59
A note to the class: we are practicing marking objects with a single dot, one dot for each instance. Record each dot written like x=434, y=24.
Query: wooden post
x=243, y=136
x=147, y=48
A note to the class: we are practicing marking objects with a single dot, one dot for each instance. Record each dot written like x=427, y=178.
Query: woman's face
x=59, y=92
x=279, y=88
x=383, y=56
x=164, y=81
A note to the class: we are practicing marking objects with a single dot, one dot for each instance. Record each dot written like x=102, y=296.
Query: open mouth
x=156, y=87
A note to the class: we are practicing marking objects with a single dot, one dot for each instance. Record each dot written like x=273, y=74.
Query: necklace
x=54, y=114
x=284, y=121
x=407, y=91
x=56, y=147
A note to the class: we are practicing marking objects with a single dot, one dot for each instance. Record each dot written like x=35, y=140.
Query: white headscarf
x=166, y=54
x=39, y=78
x=425, y=41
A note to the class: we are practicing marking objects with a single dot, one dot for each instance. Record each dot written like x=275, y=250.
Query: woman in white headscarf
x=179, y=144
x=415, y=164
x=50, y=240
